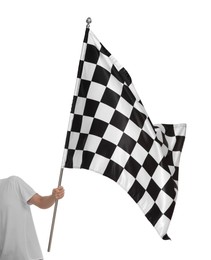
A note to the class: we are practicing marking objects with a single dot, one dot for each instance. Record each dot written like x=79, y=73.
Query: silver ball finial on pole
x=88, y=21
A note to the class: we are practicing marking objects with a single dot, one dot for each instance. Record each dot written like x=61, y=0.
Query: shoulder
x=19, y=183
x=23, y=188
x=12, y=183
x=14, y=179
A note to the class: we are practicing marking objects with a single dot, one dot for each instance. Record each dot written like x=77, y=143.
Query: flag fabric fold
x=111, y=133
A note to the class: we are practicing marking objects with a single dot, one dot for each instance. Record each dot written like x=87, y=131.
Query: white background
x=166, y=48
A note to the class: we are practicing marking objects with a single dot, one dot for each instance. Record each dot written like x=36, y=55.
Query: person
x=18, y=238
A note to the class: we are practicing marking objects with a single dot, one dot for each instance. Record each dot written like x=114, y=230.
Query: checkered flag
x=111, y=133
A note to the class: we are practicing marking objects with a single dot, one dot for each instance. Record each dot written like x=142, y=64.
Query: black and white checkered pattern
x=110, y=133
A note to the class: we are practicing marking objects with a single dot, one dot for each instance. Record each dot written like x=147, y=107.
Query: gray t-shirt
x=18, y=238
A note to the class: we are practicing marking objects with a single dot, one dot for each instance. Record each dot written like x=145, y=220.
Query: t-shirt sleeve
x=26, y=192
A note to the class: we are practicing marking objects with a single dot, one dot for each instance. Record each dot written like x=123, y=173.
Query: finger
x=59, y=196
x=59, y=192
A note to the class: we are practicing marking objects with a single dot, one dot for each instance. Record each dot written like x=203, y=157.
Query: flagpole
x=88, y=21
x=54, y=212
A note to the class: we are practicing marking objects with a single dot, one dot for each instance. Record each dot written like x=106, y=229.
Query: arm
x=45, y=202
